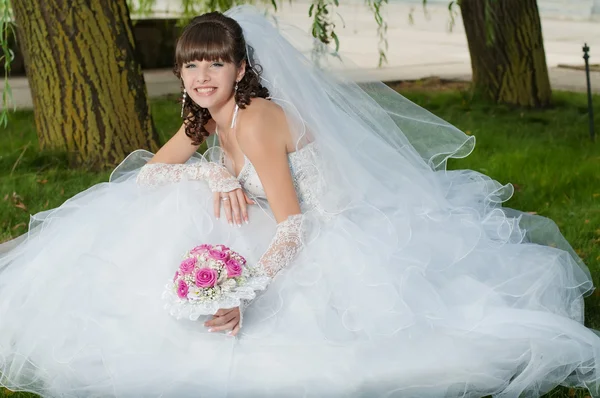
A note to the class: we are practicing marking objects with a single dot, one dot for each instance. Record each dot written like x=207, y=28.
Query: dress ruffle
x=401, y=301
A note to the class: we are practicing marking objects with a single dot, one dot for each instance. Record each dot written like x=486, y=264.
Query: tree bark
x=507, y=51
x=88, y=89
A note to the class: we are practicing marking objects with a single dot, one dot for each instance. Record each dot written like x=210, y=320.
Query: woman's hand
x=235, y=204
x=228, y=319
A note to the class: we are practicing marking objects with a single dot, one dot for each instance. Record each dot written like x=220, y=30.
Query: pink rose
x=200, y=249
x=187, y=265
x=182, y=289
x=218, y=255
x=233, y=268
x=223, y=248
x=177, y=274
x=206, y=277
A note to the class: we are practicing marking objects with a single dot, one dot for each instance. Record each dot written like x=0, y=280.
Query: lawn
x=546, y=154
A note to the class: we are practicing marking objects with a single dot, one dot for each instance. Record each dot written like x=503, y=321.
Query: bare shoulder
x=262, y=121
x=263, y=111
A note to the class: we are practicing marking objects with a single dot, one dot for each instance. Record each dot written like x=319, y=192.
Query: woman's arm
x=167, y=166
x=178, y=149
x=265, y=139
x=265, y=144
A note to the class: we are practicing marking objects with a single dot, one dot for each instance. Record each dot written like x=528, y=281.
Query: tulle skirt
x=396, y=301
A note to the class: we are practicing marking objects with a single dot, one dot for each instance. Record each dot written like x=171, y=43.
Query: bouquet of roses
x=211, y=277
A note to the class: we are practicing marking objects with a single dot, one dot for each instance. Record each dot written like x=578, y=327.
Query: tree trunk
x=507, y=51
x=88, y=90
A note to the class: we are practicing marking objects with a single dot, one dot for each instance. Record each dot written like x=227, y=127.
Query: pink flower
x=177, y=275
x=187, y=265
x=206, y=277
x=182, y=289
x=233, y=268
x=200, y=249
x=218, y=255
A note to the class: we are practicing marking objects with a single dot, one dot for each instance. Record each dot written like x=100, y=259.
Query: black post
x=586, y=57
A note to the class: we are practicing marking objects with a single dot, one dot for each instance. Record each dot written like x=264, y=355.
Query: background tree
x=88, y=89
x=507, y=51
x=506, y=47
x=89, y=93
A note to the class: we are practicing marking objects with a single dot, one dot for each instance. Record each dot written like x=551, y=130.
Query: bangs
x=205, y=42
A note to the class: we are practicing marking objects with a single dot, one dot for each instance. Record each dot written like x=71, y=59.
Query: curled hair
x=215, y=37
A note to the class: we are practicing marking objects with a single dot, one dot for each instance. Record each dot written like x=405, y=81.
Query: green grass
x=546, y=154
x=33, y=181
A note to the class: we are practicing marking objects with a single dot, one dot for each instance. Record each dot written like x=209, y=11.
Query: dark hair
x=215, y=37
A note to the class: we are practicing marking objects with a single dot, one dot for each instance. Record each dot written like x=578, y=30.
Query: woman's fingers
x=224, y=311
x=241, y=198
x=225, y=319
x=227, y=207
x=235, y=205
x=228, y=326
x=248, y=200
x=220, y=321
x=235, y=208
x=236, y=329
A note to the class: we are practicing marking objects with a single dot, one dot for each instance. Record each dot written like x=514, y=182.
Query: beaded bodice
x=304, y=174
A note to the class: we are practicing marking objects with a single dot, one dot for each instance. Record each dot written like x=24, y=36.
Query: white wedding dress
x=411, y=282
x=448, y=307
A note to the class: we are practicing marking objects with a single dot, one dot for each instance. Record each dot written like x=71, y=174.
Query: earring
x=236, y=86
x=183, y=101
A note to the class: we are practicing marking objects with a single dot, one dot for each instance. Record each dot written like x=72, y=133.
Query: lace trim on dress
x=218, y=178
x=284, y=246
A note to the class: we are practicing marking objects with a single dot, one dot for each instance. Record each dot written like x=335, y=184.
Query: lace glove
x=218, y=177
x=282, y=250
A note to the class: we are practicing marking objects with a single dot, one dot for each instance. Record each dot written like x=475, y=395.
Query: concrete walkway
x=422, y=49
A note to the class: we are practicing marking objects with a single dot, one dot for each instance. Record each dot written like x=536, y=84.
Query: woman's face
x=210, y=83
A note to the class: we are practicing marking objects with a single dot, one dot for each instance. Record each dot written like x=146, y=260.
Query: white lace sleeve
x=284, y=246
x=282, y=250
x=218, y=178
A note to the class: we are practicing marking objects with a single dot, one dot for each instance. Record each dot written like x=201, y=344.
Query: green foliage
x=322, y=26
x=452, y=13
x=141, y=8
x=377, y=6
x=6, y=56
x=321, y=11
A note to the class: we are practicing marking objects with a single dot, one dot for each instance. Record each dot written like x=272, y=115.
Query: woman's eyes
x=215, y=64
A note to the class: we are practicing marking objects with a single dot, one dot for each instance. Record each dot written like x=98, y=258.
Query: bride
x=387, y=274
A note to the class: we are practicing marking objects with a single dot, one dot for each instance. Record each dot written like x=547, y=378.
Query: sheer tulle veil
x=373, y=141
